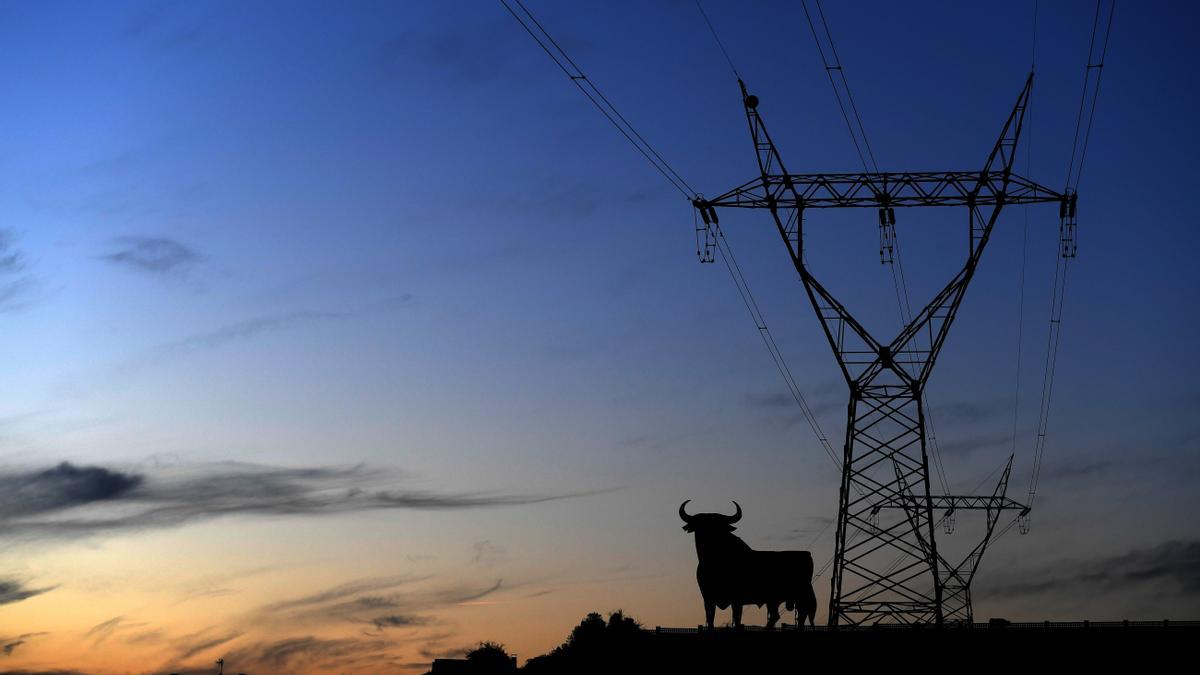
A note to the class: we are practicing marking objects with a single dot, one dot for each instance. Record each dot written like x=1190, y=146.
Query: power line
x=1058, y=290
x=718, y=39
x=829, y=70
x=1024, y=244
x=899, y=281
x=1074, y=169
x=597, y=97
x=560, y=57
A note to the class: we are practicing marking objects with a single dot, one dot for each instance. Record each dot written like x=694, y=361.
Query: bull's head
x=709, y=522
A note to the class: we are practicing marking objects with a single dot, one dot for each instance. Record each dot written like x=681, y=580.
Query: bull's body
x=731, y=574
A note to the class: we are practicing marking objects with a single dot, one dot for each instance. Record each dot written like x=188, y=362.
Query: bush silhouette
x=594, y=645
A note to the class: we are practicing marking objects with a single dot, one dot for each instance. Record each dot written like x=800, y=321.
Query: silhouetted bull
x=732, y=573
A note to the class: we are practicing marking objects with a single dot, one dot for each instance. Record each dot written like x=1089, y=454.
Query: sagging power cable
x=858, y=135
x=589, y=89
x=1089, y=95
x=597, y=97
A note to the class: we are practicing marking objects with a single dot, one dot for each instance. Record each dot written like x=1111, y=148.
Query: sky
x=342, y=337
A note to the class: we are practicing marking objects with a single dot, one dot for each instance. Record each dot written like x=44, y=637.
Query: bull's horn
x=683, y=513
x=737, y=516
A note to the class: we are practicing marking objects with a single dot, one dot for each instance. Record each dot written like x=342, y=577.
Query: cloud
x=104, y=630
x=60, y=487
x=398, y=621
x=457, y=597
x=770, y=400
x=823, y=398
x=69, y=501
x=153, y=255
x=486, y=554
x=349, y=589
x=1174, y=565
x=966, y=446
x=406, y=609
x=202, y=641
x=434, y=650
x=249, y=328
x=15, y=283
x=475, y=52
x=312, y=653
x=811, y=527
x=217, y=338
x=44, y=672
x=10, y=644
x=14, y=590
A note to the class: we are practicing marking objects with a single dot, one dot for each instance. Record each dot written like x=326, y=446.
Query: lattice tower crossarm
x=891, y=571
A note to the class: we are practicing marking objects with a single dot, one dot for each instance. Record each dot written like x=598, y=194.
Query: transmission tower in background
x=887, y=567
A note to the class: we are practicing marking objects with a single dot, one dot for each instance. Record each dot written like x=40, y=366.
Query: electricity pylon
x=889, y=569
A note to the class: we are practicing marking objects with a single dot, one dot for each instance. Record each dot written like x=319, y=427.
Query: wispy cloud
x=249, y=328
x=381, y=603
x=197, y=643
x=159, y=256
x=312, y=653
x=487, y=554
x=10, y=644
x=245, y=329
x=347, y=590
x=105, y=629
x=15, y=590
x=69, y=501
x=961, y=447
x=1172, y=564
x=16, y=285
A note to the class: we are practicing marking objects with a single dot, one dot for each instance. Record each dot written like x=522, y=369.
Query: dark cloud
x=454, y=597
x=60, y=487
x=435, y=651
x=10, y=644
x=15, y=590
x=68, y=501
x=398, y=621
x=1172, y=565
x=15, y=284
x=154, y=255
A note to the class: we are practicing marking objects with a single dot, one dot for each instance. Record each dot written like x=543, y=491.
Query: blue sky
x=394, y=235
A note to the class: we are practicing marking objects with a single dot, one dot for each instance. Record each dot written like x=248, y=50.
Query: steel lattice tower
x=887, y=567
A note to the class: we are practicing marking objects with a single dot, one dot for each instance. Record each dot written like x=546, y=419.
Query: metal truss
x=887, y=568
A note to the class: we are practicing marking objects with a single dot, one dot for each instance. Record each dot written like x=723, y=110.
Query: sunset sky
x=342, y=336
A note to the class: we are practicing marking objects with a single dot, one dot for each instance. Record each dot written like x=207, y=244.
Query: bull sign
x=731, y=574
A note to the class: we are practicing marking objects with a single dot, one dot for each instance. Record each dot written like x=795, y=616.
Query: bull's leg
x=772, y=614
x=737, y=616
x=710, y=610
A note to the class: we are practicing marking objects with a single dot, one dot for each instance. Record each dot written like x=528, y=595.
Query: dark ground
x=620, y=646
